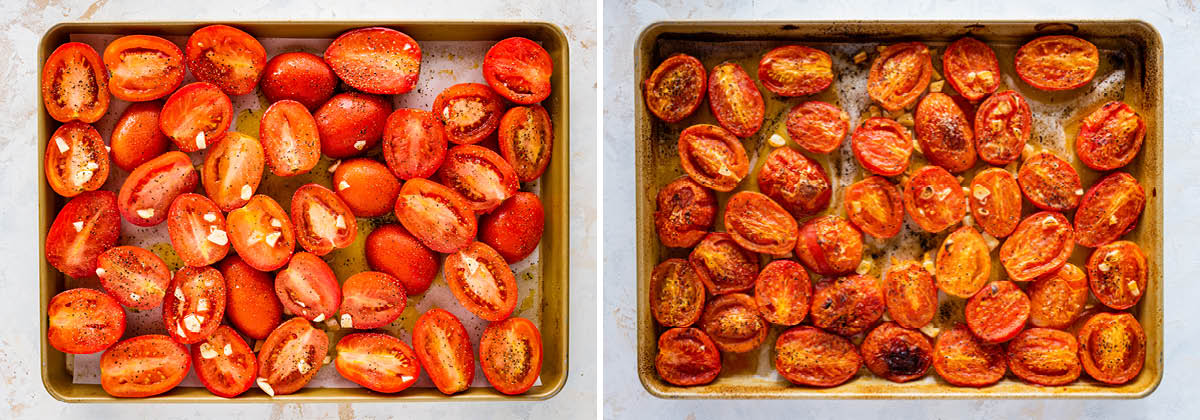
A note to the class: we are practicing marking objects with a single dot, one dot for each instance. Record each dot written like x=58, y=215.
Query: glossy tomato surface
x=250, y=301
x=195, y=304
x=261, y=233
x=515, y=228
x=1041, y=244
x=944, y=133
x=444, y=349
x=391, y=249
x=713, y=157
x=1057, y=62
x=519, y=69
x=847, y=305
x=232, y=170
x=964, y=262
x=759, y=224
x=896, y=353
x=1049, y=182
x=351, y=123
x=1045, y=356
x=995, y=200
x=686, y=357
x=86, y=226
x=143, y=67
x=371, y=299
x=795, y=181
x=136, y=139
x=971, y=68
x=224, y=363
x=732, y=321
x=526, y=139
x=291, y=357
x=676, y=293
x=818, y=127
x=479, y=175
x=438, y=216
x=300, y=77
x=76, y=160
x=74, y=84
x=1110, y=137
x=882, y=146
x=133, y=276
x=875, y=206
x=723, y=265
x=1117, y=274
x=481, y=281
x=1003, y=124
x=934, y=199
x=1112, y=347
x=795, y=70
x=1057, y=299
x=808, y=356
x=290, y=138
x=414, y=143
x=735, y=99
x=899, y=75
x=196, y=116
x=470, y=112
x=143, y=366
x=147, y=194
x=83, y=321
x=308, y=288
x=1109, y=209
x=829, y=245
x=376, y=60
x=910, y=294
x=378, y=362
x=510, y=353
x=783, y=292
x=998, y=312
x=964, y=360
x=676, y=88
x=227, y=57
x=196, y=228
x=366, y=186
x=322, y=221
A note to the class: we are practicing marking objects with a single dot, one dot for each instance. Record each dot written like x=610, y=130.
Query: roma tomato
x=882, y=146
x=143, y=366
x=515, y=228
x=309, y=289
x=378, y=362
x=1057, y=62
x=481, y=281
x=350, y=123
x=808, y=356
x=1057, y=299
x=1109, y=209
x=964, y=360
x=470, y=112
x=677, y=294
x=376, y=60
x=510, y=353
x=734, y=99
x=195, y=304
x=945, y=133
x=971, y=68
x=437, y=215
x=910, y=294
x=414, y=143
x=519, y=70
x=1112, y=347
x=300, y=77
x=261, y=233
x=143, y=67
x=733, y=322
x=74, y=84
x=196, y=228
x=444, y=349
x=83, y=321
x=1044, y=356
x=713, y=157
x=291, y=357
x=250, y=303
x=1117, y=274
x=995, y=201
x=526, y=138
x=290, y=138
x=391, y=249
x=818, y=127
x=759, y=224
x=684, y=213
x=899, y=75
x=934, y=199
x=998, y=312
x=829, y=245
x=371, y=299
x=794, y=70
x=76, y=160
x=85, y=227
x=232, y=170
x=847, y=305
x=723, y=265
x=224, y=363
x=782, y=292
x=676, y=88
x=875, y=206
x=686, y=357
x=322, y=221
x=964, y=262
x=227, y=57
x=1041, y=244
x=896, y=353
x=366, y=186
x=196, y=116
x=1049, y=182
x=150, y=189
x=479, y=175
x=795, y=181
x=134, y=276
x=1110, y=137
x=1003, y=123
x=136, y=139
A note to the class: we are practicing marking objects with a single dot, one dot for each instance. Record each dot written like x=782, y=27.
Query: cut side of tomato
x=829, y=245
x=290, y=138
x=910, y=294
x=1057, y=62
x=309, y=289
x=76, y=160
x=882, y=146
x=735, y=99
x=148, y=192
x=1040, y=245
x=75, y=84
x=224, y=363
x=84, y=321
x=250, y=303
x=945, y=133
x=1112, y=347
x=196, y=228
x=685, y=212
x=795, y=181
x=322, y=221
x=519, y=69
x=794, y=70
x=1057, y=299
x=1117, y=274
x=291, y=357
x=143, y=67
x=971, y=68
x=438, y=216
x=734, y=324
x=1110, y=137
x=469, y=111
x=964, y=360
x=371, y=299
x=687, y=357
x=723, y=265
x=676, y=293
x=998, y=312
x=1049, y=182
x=676, y=88
x=195, y=304
x=136, y=277
x=143, y=366
x=444, y=349
x=510, y=354
x=995, y=201
x=1045, y=356
x=713, y=157
x=1109, y=209
x=818, y=127
x=899, y=75
x=261, y=233
x=934, y=199
x=479, y=175
x=196, y=116
x=526, y=138
x=481, y=281
x=875, y=206
x=227, y=57
x=376, y=60
x=1003, y=124
x=391, y=249
x=414, y=143
x=808, y=356
x=964, y=263
x=378, y=362
x=759, y=224
x=86, y=226
x=783, y=292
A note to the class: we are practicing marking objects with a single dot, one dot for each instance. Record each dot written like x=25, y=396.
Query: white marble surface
x=21, y=391
x=1177, y=20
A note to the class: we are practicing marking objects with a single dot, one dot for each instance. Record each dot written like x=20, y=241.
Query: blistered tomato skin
x=882, y=146
x=376, y=60
x=896, y=353
x=807, y=356
x=945, y=133
x=1118, y=274
x=1057, y=62
x=795, y=181
x=735, y=99
x=76, y=160
x=995, y=201
x=783, y=292
x=759, y=224
x=1112, y=347
x=1110, y=137
x=723, y=265
x=676, y=293
x=251, y=304
x=934, y=199
x=971, y=68
x=818, y=127
x=686, y=357
x=1045, y=356
x=300, y=77
x=963, y=263
x=713, y=157
x=1057, y=299
x=847, y=305
x=1109, y=210
x=685, y=212
x=1050, y=182
x=794, y=70
x=75, y=84
x=829, y=245
x=910, y=294
x=875, y=206
x=733, y=323
x=899, y=75
x=964, y=360
x=1041, y=244
x=74, y=250
x=1003, y=124
x=676, y=88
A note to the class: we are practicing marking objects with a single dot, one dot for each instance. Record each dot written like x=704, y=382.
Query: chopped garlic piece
x=272, y=238
x=776, y=140
x=319, y=318
x=145, y=213
x=228, y=350
x=276, y=223
x=347, y=322
x=340, y=222
x=327, y=360
x=860, y=57
x=937, y=86
x=192, y=323
x=218, y=236
x=343, y=185
x=335, y=165
x=874, y=111
x=62, y=145
x=179, y=293
x=200, y=144
x=1027, y=152
x=1104, y=266
x=135, y=297
x=906, y=119
x=179, y=330
x=405, y=378
x=1079, y=191
x=359, y=145
x=301, y=304
x=92, y=165
x=206, y=351
x=99, y=271
x=78, y=226
x=201, y=305
x=255, y=237
x=991, y=241
x=210, y=217
x=258, y=345
x=247, y=192
x=82, y=177
x=303, y=366
x=865, y=265
x=980, y=192
x=1133, y=288
x=266, y=387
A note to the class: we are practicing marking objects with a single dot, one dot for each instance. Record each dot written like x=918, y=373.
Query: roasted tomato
x=308, y=288
x=875, y=206
x=759, y=224
x=196, y=228
x=677, y=294
x=1057, y=62
x=510, y=353
x=1044, y=356
x=376, y=60
x=74, y=84
x=685, y=212
x=291, y=357
x=526, y=138
x=847, y=305
x=686, y=357
x=290, y=138
x=250, y=303
x=818, y=127
x=480, y=175
x=1049, y=182
x=964, y=262
x=934, y=199
x=134, y=276
x=350, y=123
x=195, y=305
x=439, y=217
x=300, y=77
x=896, y=353
x=795, y=181
x=393, y=250
x=143, y=366
x=995, y=201
x=1110, y=137
x=150, y=189
x=1109, y=209
x=481, y=281
x=232, y=170
x=515, y=228
x=713, y=157
x=366, y=186
x=470, y=112
x=676, y=88
x=964, y=360
x=1117, y=274
x=261, y=233
x=829, y=245
x=1112, y=347
x=882, y=146
x=733, y=322
x=1041, y=244
x=794, y=70
x=723, y=265
x=783, y=292
x=899, y=75
x=136, y=139
x=1057, y=299
x=322, y=221
x=371, y=299
x=1003, y=123
x=444, y=349
x=414, y=143
x=735, y=99
x=808, y=356
x=519, y=70
x=85, y=227
x=196, y=116
x=945, y=133
x=378, y=362
x=971, y=67
x=227, y=57
x=224, y=363
x=998, y=312
x=84, y=321
x=143, y=67
x=76, y=160
x=910, y=294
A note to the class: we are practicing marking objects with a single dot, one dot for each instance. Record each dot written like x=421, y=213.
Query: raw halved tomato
x=371, y=299
x=686, y=357
x=1112, y=347
x=143, y=67
x=1117, y=274
x=134, y=276
x=875, y=206
x=1110, y=137
x=808, y=356
x=289, y=136
x=261, y=233
x=685, y=212
x=964, y=263
x=713, y=157
x=1003, y=123
x=896, y=353
x=945, y=133
x=479, y=175
x=196, y=228
x=818, y=127
x=998, y=312
x=1049, y=182
x=829, y=245
x=232, y=170
x=366, y=186
x=1057, y=62
x=995, y=201
x=526, y=138
x=227, y=57
x=510, y=353
x=519, y=69
x=934, y=199
x=309, y=289
x=795, y=181
x=143, y=366
x=444, y=349
x=515, y=228
x=300, y=77
x=291, y=357
x=733, y=323
x=470, y=112
x=196, y=116
x=350, y=123
x=723, y=265
x=87, y=225
x=882, y=146
x=136, y=139
x=676, y=88
x=76, y=160
x=1109, y=209
x=1041, y=244
x=782, y=292
x=195, y=304
x=150, y=189
x=899, y=75
x=734, y=99
x=322, y=221
x=376, y=60
x=759, y=224
x=250, y=304
x=74, y=84
x=847, y=305
x=971, y=68
x=481, y=281
x=378, y=362
x=1057, y=299
x=391, y=249
x=794, y=70
x=437, y=215
x=676, y=293
x=414, y=143
x=224, y=362
x=1044, y=356
x=910, y=294
x=84, y=321
x=964, y=360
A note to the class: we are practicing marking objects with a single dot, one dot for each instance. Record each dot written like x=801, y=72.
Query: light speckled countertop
x=21, y=391
x=1176, y=20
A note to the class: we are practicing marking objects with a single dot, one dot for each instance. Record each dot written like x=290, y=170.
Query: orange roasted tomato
x=291, y=357
x=1041, y=244
x=971, y=67
x=289, y=137
x=76, y=160
x=847, y=305
x=196, y=228
x=1057, y=62
x=376, y=60
x=1044, y=356
x=510, y=355
x=480, y=175
x=526, y=137
x=74, y=84
x=371, y=299
x=998, y=312
x=759, y=224
x=899, y=75
x=882, y=146
x=794, y=70
x=945, y=133
x=875, y=206
x=143, y=366
x=1110, y=137
x=1117, y=274
x=414, y=143
x=818, y=127
x=227, y=57
x=378, y=362
x=232, y=170
x=808, y=356
x=964, y=360
x=519, y=69
x=148, y=192
x=85, y=227
x=685, y=212
x=470, y=112
x=829, y=245
x=1112, y=347
x=676, y=88
x=351, y=123
x=436, y=215
x=196, y=116
x=896, y=353
x=134, y=276
x=143, y=67
x=1109, y=209
x=136, y=139
x=735, y=99
x=481, y=281
x=225, y=364
x=322, y=221
x=910, y=294
x=1049, y=182
x=83, y=321
x=723, y=265
x=676, y=293
x=964, y=262
x=713, y=157
x=733, y=322
x=1057, y=299
x=783, y=292
x=795, y=181
x=444, y=350
x=995, y=201
x=194, y=305
x=366, y=186
x=686, y=357
x=934, y=199
x=261, y=233
x=1003, y=123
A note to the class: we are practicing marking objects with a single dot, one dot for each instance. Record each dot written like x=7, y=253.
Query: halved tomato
x=519, y=69
x=366, y=186
x=818, y=127
x=964, y=360
x=196, y=116
x=143, y=67
x=414, y=143
x=794, y=70
x=300, y=77
x=224, y=363
x=378, y=362
x=232, y=170
x=759, y=224
x=685, y=212
x=74, y=84
x=196, y=228
x=1110, y=137
x=899, y=75
x=143, y=366
x=195, y=305
x=250, y=303
x=1112, y=347
x=291, y=357
x=713, y=157
x=1057, y=299
x=686, y=357
x=847, y=305
x=136, y=139
x=309, y=289
x=945, y=133
x=783, y=292
x=290, y=138
x=971, y=68
x=808, y=356
x=896, y=353
x=515, y=228
x=875, y=206
x=1041, y=244
x=510, y=353
x=1117, y=274
x=134, y=276
x=995, y=201
x=882, y=146
x=1109, y=209
x=150, y=189
x=438, y=216
x=322, y=221
x=1044, y=356
x=735, y=99
x=227, y=57
x=1049, y=182
x=480, y=175
x=910, y=294
x=76, y=160
x=795, y=181
x=934, y=199
x=350, y=123
x=526, y=138
x=964, y=263
x=444, y=349
x=391, y=249
x=676, y=88
x=376, y=60
x=470, y=112
x=734, y=323
x=723, y=265
x=998, y=312
x=86, y=226
x=677, y=294
x=1003, y=123
x=481, y=281
x=261, y=233
x=371, y=299
x=1057, y=62
x=83, y=321
x=829, y=245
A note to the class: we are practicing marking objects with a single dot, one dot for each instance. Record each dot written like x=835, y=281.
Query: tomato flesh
x=469, y=111
x=143, y=366
x=1057, y=62
x=148, y=192
x=945, y=133
x=818, y=127
x=436, y=215
x=378, y=362
x=479, y=175
x=964, y=263
x=896, y=353
x=964, y=360
x=829, y=245
x=86, y=226
x=196, y=116
x=136, y=277
x=910, y=294
x=795, y=181
x=309, y=289
x=676, y=293
x=1041, y=244
x=1112, y=347
x=227, y=57
x=196, y=228
x=808, y=356
x=687, y=357
x=322, y=221
x=735, y=99
x=1057, y=299
x=1110, y=137
x=442, y=346
x=782, y=292
x=143, y=67
x=723, y=265
x=83, y=321
x=734, y=324
x=526, y=139
x=1109, y=209
x=291, y=357
x=971, y=68
x=882, y=146
x=371, y=299
x=759, y=224
x=998, y=312
x=675, y=89
x=261, y=233
x=685, y=212
x=847, y=305
x=934, y=199
x=1117, y=274
x=875, y=206
x=1045, y=356
x=899, y=75
x=794, y=70
x=376, y=60
x=995, y=201
x=195, y=304
x=414, y=143
x=290, y=138
x=519, y=69
x=75, y=84
x=713, y=157
x=481, y=281
x=1003, y=124
x=510, y=354
x=224, y=363
x=76, y=160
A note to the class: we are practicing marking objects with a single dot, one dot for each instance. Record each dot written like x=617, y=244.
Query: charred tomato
x=896, y=353
x=795, y=181
x=847, y=305
x=733, y=323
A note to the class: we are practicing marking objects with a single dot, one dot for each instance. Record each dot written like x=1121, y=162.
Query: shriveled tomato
x=438, y=216
x=1110, y=137
x=134, y=276
x=945, y=133
x=910, y=294
x=1049, y=182
x=515, y=228
x=723, y=265
x=143, y=366
x=261, y=233
x=808, y=356
x=1117, y=274
x=795, y=181
x=76, y=160
x=308, y=288
x=1003, y=123
x=143, y=67
x=676, y=293
x=378, y=362
x=150, y=189
x=685, y=212
x=686, y=357
x=86, y=226
x=322, y=221
x=480, y=175
x=971, y=67
x=136, y=139
x=818, y=127
x=1044, y=356
x=964, y=360
x=934, y=199
x=829, y=245
x=795, y=70
x=391, y=249
x=1057, y=62
x=713, y=157
x=366, y=186
x=526, y=138
x=414, y=143
x=1109, y=209
x=442, y=346
x=847, y=305
x=196, y=228
x=998, y=312
x=232, y=170
x=734, y=99
x=350, y=123
x=510, y=353
x=1057, y=299
x=196, y=116
x=224, y=363
x=896, y=353
x=733, y=322
x=227, y=57
x=875, y=206
x=290, y=138
x=964, y=262
x=376, y=60
x=519, y=69
x=74, y=84
x=250, y=303
x=899, y=75
x=995, y=201
x=83, y=321
x=291, y=357
x=371, y=299
x=882, y=146
x=676, y=88
x=1041, y=244
x=300, y=77
x=1112, y=347
x=783, y=292
x=759, y=224
x=481, y=281
x=470, y=112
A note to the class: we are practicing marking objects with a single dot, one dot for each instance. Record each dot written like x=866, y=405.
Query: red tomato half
x=934, y=199
x=686, y=357
x=227, y=57
x=1110, y=137
x=1057, y=299
x=308, y=288
x=322, y=221
x=995, y=201
x=378, y=362
x=250, y=303
x=733, y=322
x=1109, y=209
x=713, y=157
x=847, y=305
x=438, y=216
x=444, y=349
x=134, y=276
x=882, y=146
x=1044, y=356
x=945, y=133
x=195, y=304
x=684, y=213
x=391, y=249
x=896, y=353
x=371, y=299
x=481, y=281
x=723, y=265
x=76, y=160
x=808, y=356
x=291, y=357
x=300, y=77
x=515, y=228
x=414, y=143
x=519, y=70
x=376, y=60
x=910, y=294
x=197, y=230
x=143, y=366
x=232, y=170
x=964, y=263
x=677, y=294
x=351, y=123
x=224, y=363
x=1003, y=123
x=261, y=233
x=783, y=292
x=735, y=99
x=964, y=360
x=85, y=227
x=366, y=186
x=526, y=138
x=290, y=138
x=74, y=84
x=196, y=116
x=510, y=354
x=676, y=88
x=971, y=67
x=759, y=224
x=899, y=75
x=795, y=181
x=479, y=175
x=829, y=245
x=818, y=127
x=136, y=139
x=83, y=321
x=1117, y=273
x=1049, y=182
x=1057, y=62
x=1112, y=347
x=143, y=67
x=1041, y=244
x=794, y=70
x=998, y=312
x=150, y=189
x=470, y=112
x=875, y=206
